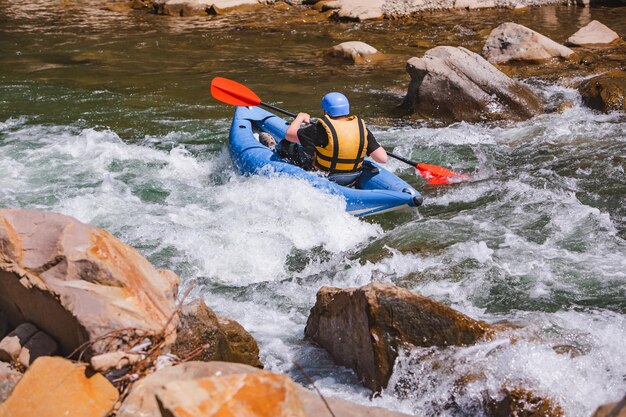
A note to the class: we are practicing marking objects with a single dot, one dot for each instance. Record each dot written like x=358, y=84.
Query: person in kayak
x=338, y=143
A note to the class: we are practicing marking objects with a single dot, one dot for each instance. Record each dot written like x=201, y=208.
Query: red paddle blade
x=231, y=92
x=436, y=175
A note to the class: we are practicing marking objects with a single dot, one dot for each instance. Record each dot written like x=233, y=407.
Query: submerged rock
x=141, y=401
x=78, y=283
x=54, y=386
x=606, y=92
x=520, y=402
x=617, y=409
x=208, y=337
x=457, y=84
x=593, y=34
x=356, y=51
x=364, y=328
x=513, y=42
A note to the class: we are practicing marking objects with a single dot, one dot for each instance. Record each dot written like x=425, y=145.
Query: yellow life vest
x=346, y=147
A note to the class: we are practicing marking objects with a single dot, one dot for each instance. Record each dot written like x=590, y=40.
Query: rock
x=592, y=34
x=612, y=410
x=356, y=51
x=113, y=360
x=141, y=401
x=358, y=10
x=213, y=338
x=457, y=84
x=474, y=4
x=510, y=41
x=41, y=393
x=11, y=345
x=9, y=377
x=363, y=328
x=39, y=345
x=520, y=402
x=606, y=92
x=77, y=283
x=198, y=7
x=260, y=394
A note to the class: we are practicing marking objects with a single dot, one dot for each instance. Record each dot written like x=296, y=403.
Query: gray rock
x=456, y=84
x=594, y=33
x=197, y=7
x=513, y=42
x=12, y=344
x=355, y=51
x=39, y=345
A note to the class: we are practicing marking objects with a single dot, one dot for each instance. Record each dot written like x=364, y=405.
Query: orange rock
x=246, y=395
x=53, y=386
x=76, y=282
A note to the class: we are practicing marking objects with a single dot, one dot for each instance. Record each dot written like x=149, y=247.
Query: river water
x=107, y=117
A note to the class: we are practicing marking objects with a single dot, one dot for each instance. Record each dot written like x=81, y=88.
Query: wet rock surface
x=606, y=92
x=206, y=337
x=617, y=409
x=364, y=328
x=457, y=84
x=511, y=41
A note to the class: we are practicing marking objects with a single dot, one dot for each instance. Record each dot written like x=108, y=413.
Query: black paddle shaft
x=399, y=158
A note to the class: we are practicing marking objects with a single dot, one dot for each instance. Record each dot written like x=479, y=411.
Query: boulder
x=364, y=328
x=9, y=377
x=11, y=345
x=207, y=337
x=355, y=51
x=617, y=409
x=39, y=345
x=198, y=7
x=513, y=42
x=53, y=386
x=606, y=92
x=78, y=283
x=592, y=34
x=457, y=84
x=358, y=10
x=259, y=394
x=141, y=401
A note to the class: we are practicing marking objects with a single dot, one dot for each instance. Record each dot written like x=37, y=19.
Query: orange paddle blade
x=231, y=92
x=436, y=175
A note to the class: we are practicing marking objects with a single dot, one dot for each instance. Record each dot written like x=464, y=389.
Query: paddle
x=433, y=174
x=231, y=92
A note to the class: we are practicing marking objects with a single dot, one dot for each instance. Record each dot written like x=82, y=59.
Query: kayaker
x=338, y=142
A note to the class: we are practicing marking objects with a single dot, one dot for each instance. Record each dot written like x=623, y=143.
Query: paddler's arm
x=292, y=130
x=375, y=150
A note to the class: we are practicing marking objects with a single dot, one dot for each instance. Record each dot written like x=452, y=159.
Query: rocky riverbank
x=82, y=307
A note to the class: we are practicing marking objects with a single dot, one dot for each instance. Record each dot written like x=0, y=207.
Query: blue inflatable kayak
x=376, y=191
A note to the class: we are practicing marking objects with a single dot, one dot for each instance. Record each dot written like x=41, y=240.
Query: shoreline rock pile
x=131, y=371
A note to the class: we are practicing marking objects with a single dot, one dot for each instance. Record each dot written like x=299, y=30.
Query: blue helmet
x=335, y=104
